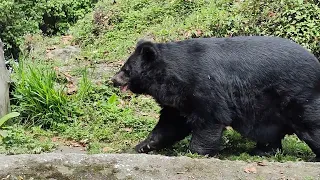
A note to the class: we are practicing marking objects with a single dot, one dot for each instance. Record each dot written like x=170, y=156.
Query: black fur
x=263, y=87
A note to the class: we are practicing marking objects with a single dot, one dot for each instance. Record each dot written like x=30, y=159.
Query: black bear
x=263, y=87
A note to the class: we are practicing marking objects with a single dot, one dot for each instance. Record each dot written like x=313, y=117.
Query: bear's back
x=244, y=57
x=231, y=64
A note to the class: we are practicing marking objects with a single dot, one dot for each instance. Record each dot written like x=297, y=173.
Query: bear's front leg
x=172, y=127
x=206, y=140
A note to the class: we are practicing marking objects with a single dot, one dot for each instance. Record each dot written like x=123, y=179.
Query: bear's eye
x=126, y=71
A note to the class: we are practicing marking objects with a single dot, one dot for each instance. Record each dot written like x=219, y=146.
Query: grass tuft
x=37, y=97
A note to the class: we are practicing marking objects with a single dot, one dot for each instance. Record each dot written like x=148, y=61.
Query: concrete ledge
x=142, y=166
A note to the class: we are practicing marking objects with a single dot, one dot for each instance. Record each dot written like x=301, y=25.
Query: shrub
x=37, y=97
x=59, y=14
x=300, y=23
x=18, y=18
x=113, y=28
x=110, y=32
x=295, y=20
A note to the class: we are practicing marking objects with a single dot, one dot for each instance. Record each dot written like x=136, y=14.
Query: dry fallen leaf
x=56, y=68
x=68, y=76
x=98, y=83
x=42, y=139
x=106, y=53
x=66, y=39
x=250, y=170
x=51, y=48
x=283, y=178
x=271, y=14
x=128, y=129
x=261, y=163
x=199, y=33
x=74, y=144
x=54, y=139
x=84, y=141
x=187, y=34
x=107, y=149
x=71, y=88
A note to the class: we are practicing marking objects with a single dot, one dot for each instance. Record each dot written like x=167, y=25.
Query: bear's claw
x=144, y=147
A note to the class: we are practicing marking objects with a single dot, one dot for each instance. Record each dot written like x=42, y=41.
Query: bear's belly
x=263, y=130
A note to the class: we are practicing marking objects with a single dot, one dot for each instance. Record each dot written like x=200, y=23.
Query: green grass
x=110, y=32
x=40, y=101
x=18, y=139
x=236, y=147
x=98, y=115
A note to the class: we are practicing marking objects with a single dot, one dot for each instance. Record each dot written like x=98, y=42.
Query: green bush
x=59, y=14
x=18, y=141
x=111, y=30
x=295, y=20
x=37, y=96
x=18, y=18
x=301, y=24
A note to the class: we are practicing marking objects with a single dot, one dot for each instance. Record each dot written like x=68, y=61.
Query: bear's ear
x=141, y=41
x=147, y=50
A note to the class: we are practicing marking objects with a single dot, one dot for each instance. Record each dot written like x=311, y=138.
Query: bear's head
x=139, y=71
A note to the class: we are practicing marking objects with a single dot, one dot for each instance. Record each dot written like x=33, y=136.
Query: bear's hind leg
x=207, y=140
x=172, y=127
x=307, y=126
x=268, y=137
x=312, y=138
x=266, y=149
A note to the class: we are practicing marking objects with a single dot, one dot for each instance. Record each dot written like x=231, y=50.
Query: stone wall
x=4, y=84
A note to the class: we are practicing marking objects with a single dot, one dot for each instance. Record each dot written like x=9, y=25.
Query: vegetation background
x=68, y=49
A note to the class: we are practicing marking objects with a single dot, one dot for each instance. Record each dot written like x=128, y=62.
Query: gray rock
x=142, y=166
x=64, y=53
x=4, y=85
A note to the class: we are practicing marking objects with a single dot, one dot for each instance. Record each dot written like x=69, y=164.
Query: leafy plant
x=50, y=17
x=7, y=117
x=17, y=140
x=60, y=14
x=295, y=20
x=38, y=98
x=300, y=23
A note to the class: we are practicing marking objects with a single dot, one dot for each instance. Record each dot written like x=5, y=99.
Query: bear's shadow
x=234, y=146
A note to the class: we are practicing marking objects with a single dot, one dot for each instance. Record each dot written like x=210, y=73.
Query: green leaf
x=300, y=1
x=3, y=134
x=7, y=117
x=112, y=99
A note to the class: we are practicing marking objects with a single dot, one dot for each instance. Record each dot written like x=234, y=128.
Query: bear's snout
x=119, y=79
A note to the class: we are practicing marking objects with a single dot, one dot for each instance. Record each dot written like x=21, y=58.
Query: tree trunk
x=4, y=84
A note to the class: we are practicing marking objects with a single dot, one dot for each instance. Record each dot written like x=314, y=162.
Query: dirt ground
x=142, y=166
